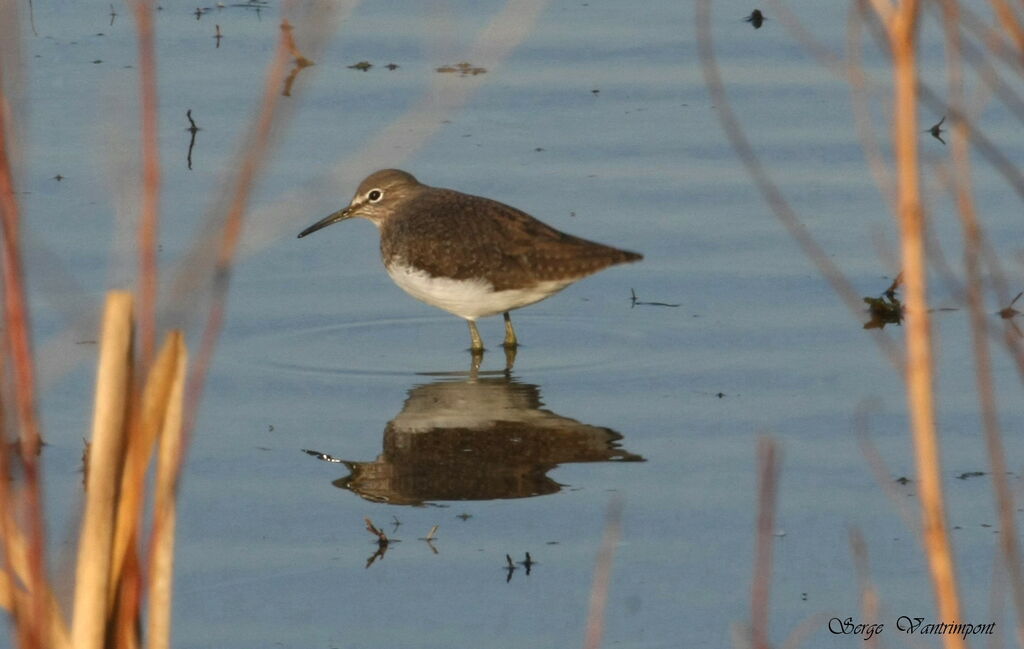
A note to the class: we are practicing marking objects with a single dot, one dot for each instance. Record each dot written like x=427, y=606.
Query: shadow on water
x=476, y=436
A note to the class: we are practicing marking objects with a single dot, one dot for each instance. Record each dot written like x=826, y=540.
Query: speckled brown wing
x=479, y=237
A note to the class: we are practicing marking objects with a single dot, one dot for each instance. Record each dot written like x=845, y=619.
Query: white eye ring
x=374, y=195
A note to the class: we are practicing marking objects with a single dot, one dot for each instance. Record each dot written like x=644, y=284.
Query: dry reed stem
x=18, y=344
x=14, y=598
x=902, y=30
x=760, y=589
x=868, y=595
x=603, y=576
x=972, y=235
x=1009, y=20
x=113, y=385
x=161, y=559
x=150, y=216
x=145, y=428
x=1002, y=165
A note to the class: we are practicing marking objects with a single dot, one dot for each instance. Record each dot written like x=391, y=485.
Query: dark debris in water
x=463, y=69
x=362, y=66
x=756, y=18
x=937, y=131
x=634, y=301
x=1009, y=312
x=886, y=308
x=323, y=456
x=970, y=474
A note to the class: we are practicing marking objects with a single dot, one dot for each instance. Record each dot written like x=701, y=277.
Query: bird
x=468, y=255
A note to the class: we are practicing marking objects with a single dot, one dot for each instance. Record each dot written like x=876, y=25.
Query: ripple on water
x=427, y=345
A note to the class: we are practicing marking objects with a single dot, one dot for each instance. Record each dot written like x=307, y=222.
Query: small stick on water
x=633, y=301
x=510, y=567
x=382, y=538
x=528, y=563
x=193, y=129
x=429, y=539
x=1009, y=311
x=298, y=60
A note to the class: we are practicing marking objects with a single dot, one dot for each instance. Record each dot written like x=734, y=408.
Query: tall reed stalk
x=144, y=406
x=896, y=26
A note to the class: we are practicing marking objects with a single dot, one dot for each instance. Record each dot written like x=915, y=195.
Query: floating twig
x=193, y=129
x=1009, y=312
x=430, y=535
x=323, y=456
x=528, y=563
x=382, y=538
x=298, y=60
x=936, y=130
x=633, y=301
x=464, y=68
x=510, y=567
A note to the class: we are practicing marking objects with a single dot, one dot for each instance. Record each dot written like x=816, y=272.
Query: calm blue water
x=321, y=351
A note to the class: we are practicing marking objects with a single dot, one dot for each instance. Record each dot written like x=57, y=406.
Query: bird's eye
x=374, y=195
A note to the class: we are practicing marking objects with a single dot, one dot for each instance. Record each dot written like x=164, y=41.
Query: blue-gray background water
x=599, y=123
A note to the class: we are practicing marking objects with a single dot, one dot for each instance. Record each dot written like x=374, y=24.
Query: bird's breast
x=470, y=298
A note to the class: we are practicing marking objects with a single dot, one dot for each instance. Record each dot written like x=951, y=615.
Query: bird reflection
x=475, y=438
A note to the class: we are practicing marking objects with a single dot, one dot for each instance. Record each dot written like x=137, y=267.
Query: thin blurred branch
x=760, y=590
x=149, y=221
x=603, y=576
x=769, y=191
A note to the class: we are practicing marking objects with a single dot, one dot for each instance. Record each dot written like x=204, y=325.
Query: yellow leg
x=477, y=344
x=510, y=333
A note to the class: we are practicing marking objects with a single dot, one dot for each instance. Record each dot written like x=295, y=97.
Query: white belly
x=469, y=299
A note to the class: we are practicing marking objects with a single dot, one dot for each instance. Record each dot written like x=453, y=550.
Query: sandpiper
x=468, y=255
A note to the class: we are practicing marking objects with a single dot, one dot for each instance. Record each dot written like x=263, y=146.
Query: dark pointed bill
x=340, y=215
